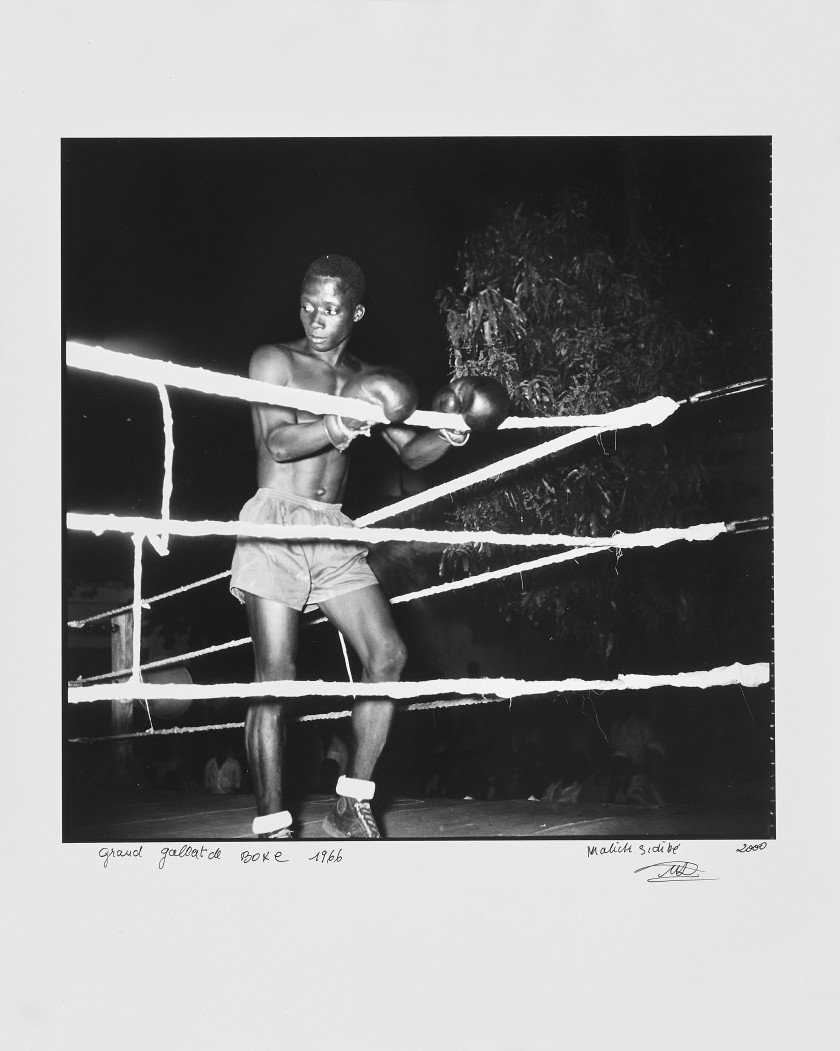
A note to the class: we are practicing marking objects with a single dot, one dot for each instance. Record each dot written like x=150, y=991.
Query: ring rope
x=723, y=392
x=548, y=560
x=482, y=474
x=434, y=589
x=205, y=381
x=315, y=717
x=146, y=602
x=268, y=531
x=100, y=523
x=130, y=366
x=736, y=674
x=651, y=412
x=733, y=674
x=136, y=636
x=417, y=706
x=436, y=492
x=161, y=542
x=741, y=526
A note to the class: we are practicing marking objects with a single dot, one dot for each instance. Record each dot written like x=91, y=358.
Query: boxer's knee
x=387, y=661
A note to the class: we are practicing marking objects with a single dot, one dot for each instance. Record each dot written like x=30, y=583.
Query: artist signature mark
x=671, y=871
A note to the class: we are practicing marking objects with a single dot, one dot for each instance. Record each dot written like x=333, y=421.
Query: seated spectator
x=335, y=762
x=636, y=763
x=222, y=774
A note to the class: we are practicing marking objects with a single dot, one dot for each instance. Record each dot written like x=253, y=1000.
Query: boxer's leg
x=274, y=632
x=364, y=618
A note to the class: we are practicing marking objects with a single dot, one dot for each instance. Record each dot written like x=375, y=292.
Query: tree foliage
x=546, y=306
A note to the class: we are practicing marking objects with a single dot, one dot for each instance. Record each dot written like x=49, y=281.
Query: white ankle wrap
x=355, y=788
x=271, y=822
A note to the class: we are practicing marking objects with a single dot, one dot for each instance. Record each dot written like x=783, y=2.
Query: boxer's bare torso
x=308, y=465
x=294, y=452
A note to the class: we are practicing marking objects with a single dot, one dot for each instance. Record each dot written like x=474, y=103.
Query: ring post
x=122, y=712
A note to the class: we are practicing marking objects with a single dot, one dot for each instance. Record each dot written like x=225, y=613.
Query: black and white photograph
x=596, y=663
x=418, y=429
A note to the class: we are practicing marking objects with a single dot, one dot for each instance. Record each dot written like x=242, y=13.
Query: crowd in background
x=577, y=749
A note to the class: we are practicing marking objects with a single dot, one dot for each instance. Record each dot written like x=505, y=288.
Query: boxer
x=302, y=467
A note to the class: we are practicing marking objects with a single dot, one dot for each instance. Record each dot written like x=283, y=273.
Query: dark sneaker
x=351, y=819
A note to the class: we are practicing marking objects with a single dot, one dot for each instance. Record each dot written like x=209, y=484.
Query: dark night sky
x=192, y=250
x=200, y=244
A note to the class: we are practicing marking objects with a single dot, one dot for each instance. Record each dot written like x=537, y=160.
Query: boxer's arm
x=416, y=449
x=481, y=401
x=284, y=436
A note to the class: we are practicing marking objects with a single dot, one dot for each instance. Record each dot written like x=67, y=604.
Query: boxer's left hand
x=482, y=402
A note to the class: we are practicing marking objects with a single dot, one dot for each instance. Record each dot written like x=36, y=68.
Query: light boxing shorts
x=299, y=573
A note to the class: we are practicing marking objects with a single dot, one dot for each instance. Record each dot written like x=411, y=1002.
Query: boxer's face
x=327, y=314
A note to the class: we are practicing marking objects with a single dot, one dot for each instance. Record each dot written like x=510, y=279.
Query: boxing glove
x=481, y=401
x=391, y=389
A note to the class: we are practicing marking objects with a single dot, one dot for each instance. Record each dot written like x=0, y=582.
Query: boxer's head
x=342, y=270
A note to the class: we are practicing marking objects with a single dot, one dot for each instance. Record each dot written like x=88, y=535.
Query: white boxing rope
x=647, y=538
x=510, y=463
x=647, y=413
x=161, y=543
x=580, y=546
x=312, y=718
x=730, y=675
x=136, y=630
x=204, y=381
x=445, y=702
x=136, y=613
x=419, y=706
x=726, y=391
x=147, y=601
x=452, y=585
x=167, y=731
x=482, y=578
x=181, y=658
x=154, y=371
x=427, y=592
x=346, y=656
x=160, y=373
x=493, y=470
x=498, y=574
x=435, y=589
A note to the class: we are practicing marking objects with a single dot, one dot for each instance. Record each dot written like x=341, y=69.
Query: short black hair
x=345, y=271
